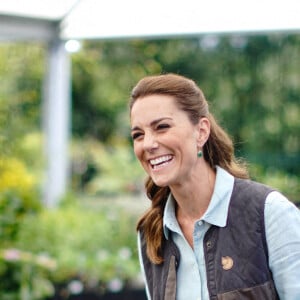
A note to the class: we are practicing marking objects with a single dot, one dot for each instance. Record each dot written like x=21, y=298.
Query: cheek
x=137, y=151
x=139, y=155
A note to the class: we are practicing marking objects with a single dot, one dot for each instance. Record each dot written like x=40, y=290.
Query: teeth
x=160, y=160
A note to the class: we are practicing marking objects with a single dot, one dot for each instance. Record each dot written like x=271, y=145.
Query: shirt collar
x=217, y=211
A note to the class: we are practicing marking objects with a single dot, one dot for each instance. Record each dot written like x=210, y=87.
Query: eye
x=163, y=126
x=136, y=135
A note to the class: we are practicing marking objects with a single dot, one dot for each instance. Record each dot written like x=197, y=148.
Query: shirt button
x=208, y=244
x=200, y=223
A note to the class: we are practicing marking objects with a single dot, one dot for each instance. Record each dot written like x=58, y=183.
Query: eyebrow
x=153, y=123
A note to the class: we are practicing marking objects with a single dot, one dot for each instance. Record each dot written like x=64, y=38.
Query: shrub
x=96, y=246
x=25, y=276
x=105, y=170
x=18, y=196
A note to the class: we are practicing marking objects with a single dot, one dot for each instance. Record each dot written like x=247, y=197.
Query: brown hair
x=218, y=150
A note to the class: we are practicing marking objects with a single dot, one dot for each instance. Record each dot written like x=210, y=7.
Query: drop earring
x=199, y=154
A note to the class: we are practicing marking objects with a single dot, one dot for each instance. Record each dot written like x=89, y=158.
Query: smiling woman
x=161, y=139
x=210, y=231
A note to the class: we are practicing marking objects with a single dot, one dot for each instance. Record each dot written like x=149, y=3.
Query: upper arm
x=282, y=220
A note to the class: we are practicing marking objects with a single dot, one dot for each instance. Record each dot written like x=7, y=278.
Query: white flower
x=45, y=261
x=75, y=287
x=115, y=285
x=125, y=253
x=102, y=255
x=12, y=254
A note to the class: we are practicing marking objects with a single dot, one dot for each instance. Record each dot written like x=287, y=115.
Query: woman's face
x=164, y=139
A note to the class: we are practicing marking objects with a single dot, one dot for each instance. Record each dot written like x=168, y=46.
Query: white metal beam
x=56, y=116
x=16, y=28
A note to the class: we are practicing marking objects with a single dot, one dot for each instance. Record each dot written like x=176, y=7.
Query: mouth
x=160, y=161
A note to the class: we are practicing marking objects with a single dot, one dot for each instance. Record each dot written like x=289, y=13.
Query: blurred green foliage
x=100, y=169
x=21, y=73
x=92, y=242
x=251, y=82
x=18, y=197
x=24, y=275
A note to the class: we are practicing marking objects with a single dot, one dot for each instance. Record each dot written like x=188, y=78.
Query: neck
x=194, y=197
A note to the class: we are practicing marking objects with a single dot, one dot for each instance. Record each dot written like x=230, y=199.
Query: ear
x=204, y=131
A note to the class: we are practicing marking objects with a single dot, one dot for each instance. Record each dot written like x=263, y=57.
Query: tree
x=250, y=81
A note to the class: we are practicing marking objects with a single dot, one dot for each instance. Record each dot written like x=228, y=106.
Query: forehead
x=154, y=106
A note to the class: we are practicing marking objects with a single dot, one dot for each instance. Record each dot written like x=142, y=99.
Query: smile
x=160, y=161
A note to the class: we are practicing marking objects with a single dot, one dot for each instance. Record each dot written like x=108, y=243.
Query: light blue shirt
x=282, y=221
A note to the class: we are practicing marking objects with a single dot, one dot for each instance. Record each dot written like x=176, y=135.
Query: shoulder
x=251, y=186
x=282, y=219
x=278, y=207
x=250, y=195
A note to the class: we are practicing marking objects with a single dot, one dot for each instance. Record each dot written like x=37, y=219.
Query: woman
x=210, y=233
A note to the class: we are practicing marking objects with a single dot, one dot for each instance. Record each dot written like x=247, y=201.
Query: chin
x=160, y=183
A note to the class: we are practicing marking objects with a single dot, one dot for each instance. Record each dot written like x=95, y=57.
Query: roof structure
x=95, y=19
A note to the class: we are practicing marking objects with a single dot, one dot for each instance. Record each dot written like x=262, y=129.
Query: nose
x=150, y=142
